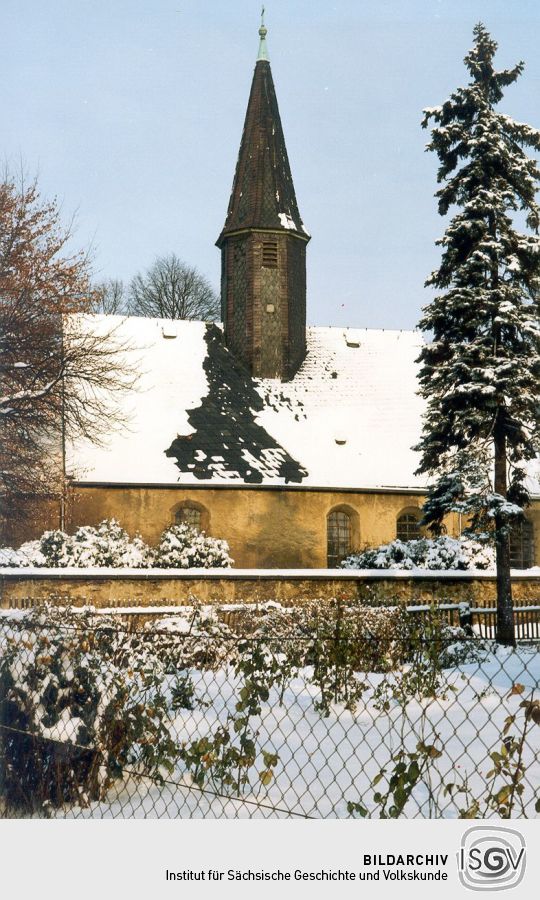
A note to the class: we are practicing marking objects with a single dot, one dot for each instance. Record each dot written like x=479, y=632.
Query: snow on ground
x=326, y=761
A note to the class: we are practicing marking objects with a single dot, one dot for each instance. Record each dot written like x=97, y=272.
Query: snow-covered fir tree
x=480, y=371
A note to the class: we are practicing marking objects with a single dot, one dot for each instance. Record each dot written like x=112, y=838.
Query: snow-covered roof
x=348, y=418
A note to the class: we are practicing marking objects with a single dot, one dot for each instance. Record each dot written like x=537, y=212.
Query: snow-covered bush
x=28, y=554
x=184, y=547
x=80, y=699
x=56, y=548
x=9, y=557
x=440, y=553
x=106, y=544
x=338, y=637
x=457, y=647
x=195, y=637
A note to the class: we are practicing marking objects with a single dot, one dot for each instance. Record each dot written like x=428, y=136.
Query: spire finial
x=263, y=49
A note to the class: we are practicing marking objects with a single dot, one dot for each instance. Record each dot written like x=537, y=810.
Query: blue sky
x=131, y=113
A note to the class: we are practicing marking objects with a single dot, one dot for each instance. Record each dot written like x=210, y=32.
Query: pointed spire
x=263, y=243
x=263, y=191
x=263, y=49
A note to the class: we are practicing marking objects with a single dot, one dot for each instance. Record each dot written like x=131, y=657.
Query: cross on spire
x=263, y=49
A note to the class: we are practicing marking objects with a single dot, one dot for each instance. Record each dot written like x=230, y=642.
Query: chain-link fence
x=369, y=717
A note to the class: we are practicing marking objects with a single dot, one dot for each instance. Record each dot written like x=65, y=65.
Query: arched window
x=522, y=545
x=339, y=534
x=407, y=526
x=190, y=515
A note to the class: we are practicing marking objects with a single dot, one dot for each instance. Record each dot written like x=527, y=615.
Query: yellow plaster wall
x=265, y=528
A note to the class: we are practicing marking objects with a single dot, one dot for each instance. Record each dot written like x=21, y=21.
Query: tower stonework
x=263, y=243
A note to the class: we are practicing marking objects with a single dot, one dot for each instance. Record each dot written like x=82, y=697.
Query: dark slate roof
x=263, y=192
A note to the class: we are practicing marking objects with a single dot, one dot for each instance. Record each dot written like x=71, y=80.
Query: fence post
x=465, y=617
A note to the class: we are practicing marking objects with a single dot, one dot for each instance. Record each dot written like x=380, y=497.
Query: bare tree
x=172, y=290
x=59, y=377
x=111, y=298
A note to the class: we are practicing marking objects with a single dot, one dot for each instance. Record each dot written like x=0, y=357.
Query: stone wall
x=154, y=588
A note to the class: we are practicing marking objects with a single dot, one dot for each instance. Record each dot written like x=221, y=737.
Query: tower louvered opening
x=270, y=254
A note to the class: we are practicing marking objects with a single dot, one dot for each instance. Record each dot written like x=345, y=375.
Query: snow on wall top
x=348, y=418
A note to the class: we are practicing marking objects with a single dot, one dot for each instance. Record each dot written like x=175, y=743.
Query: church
x=291, y=442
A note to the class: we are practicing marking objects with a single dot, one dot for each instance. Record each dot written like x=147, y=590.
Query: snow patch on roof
x=348, y=418
x=287, y=221
x=366, y=394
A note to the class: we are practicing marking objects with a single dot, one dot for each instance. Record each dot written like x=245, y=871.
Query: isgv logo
x=491, y=858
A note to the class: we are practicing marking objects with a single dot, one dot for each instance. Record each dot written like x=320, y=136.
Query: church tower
x=263, y=243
